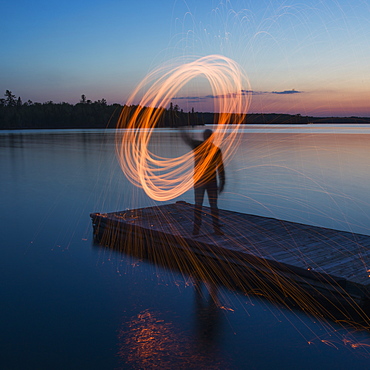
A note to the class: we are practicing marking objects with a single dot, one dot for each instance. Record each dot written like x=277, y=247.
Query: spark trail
x=167, y=178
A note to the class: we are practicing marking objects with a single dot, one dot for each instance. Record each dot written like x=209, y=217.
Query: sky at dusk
x=307, y=57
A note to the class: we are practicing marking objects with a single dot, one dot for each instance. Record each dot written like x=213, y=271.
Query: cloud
x=197, y=99
x=286, y=92
x=189, y=97
x=230, y=95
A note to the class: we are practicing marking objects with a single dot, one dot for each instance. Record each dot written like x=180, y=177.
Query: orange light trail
x=167, y=178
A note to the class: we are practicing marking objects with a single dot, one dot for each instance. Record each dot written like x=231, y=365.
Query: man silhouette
x=207, y=165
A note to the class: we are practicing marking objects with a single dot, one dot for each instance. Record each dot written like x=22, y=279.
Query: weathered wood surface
x=320, y=256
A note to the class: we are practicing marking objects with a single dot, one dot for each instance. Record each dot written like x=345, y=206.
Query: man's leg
x=212, y=192
x=199, y=196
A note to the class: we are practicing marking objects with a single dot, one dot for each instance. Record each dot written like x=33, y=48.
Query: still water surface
x=67, y=303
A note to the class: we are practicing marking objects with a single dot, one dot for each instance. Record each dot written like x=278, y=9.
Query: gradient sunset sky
x=308, y=57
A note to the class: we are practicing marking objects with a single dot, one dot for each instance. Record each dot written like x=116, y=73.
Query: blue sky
x=54, y=50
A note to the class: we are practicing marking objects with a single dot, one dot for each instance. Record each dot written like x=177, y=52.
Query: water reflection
x=150, y=338
x=52, y=181
x=208, y=315
x=150, y=341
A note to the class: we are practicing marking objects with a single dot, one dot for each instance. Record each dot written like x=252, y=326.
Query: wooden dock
x=329, y=264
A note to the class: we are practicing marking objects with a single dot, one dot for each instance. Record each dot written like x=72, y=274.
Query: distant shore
x=102, y=115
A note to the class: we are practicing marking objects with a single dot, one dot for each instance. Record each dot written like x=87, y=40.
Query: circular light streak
x=166, y=178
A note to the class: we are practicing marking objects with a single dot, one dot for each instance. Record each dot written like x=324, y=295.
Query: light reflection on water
x=67, y=297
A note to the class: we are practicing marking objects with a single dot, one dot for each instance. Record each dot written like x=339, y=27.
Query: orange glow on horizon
x=166, y=178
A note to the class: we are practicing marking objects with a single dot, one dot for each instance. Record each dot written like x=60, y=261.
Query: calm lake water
x=67, y=303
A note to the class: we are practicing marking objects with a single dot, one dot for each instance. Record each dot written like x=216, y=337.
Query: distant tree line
x=15, y=114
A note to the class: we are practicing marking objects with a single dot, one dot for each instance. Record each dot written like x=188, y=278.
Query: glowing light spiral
x=167, y=178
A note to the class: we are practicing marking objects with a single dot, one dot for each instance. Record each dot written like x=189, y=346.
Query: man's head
x=207, y=134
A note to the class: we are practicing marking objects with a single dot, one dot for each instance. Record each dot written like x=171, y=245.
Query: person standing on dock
x=208, y=164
